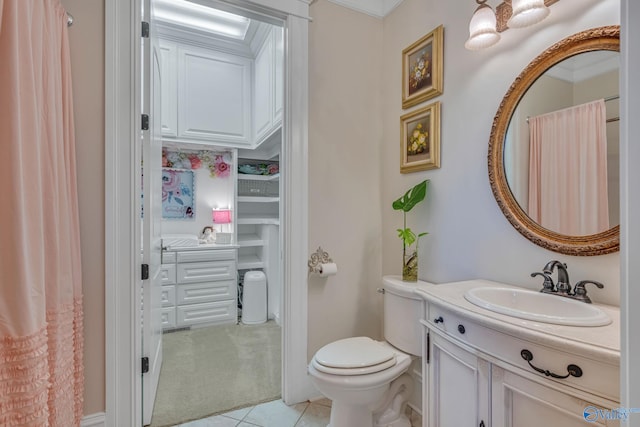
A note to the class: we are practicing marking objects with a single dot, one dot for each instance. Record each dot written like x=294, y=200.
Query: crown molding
x=376, y=8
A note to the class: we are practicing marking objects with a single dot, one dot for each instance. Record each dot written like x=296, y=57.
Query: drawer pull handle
x=438, y=319
x=461, y=329
x=573, y=370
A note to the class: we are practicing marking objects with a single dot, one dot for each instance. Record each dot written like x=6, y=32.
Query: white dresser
x=199, y=287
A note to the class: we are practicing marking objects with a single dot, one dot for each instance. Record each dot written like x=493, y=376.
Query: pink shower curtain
x=41, y=369
x=568, y=170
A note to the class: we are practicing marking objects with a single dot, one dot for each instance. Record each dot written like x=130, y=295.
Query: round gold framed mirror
x=563, y=64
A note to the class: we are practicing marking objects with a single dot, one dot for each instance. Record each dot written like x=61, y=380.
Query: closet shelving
x=258, y=219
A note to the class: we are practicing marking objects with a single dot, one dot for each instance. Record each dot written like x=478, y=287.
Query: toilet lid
x=361, y=354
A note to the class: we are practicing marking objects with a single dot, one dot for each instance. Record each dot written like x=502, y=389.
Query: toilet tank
x=403, y=310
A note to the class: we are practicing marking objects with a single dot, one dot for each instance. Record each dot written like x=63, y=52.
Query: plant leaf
x=407, y=236
x=412, y=197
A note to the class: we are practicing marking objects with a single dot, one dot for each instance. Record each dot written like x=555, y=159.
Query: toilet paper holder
x=317, y=259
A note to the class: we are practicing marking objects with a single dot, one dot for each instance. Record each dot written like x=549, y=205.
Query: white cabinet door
x=214, y=96
x=169, y=87
x=268, y=86
x=519, y=402
x=278, y=77
x=459, y=386
x=263, y=90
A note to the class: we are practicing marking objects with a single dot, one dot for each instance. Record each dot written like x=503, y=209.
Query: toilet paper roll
x=328, y=269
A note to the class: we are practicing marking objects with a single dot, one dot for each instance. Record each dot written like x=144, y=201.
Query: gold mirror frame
x=602, y=38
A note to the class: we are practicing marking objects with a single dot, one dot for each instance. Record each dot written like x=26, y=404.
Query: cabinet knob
x=461, y=329
x=438, y=319
x=481, y=424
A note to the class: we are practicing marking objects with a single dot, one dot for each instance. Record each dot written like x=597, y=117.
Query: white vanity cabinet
x=201, y=289
x=475, y=373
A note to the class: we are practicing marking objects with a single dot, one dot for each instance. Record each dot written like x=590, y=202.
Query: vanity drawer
x=168, y=274
x=168, y=317
x=211, y=255
x=211, y=312
x=168, y=295
x=206, y=292
x=206, y=271
x=598, y=378
x=168, y=257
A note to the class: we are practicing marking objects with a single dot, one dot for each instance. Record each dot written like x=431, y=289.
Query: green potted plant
x=410, y=254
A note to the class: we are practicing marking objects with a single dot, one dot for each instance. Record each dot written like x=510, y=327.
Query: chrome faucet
x=563, y=287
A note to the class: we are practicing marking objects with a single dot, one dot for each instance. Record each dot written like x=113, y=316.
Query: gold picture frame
x=422, y=64
x=420, y=139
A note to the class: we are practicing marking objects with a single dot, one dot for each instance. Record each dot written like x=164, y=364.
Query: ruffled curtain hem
x=42, y=375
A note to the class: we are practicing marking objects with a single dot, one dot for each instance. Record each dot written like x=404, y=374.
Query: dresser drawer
x=206, y=292
x=168, y=295
x=211, y=255
x=168, y=257
x=194, y=272
x=508, y=349
x=168, y=274
x=210, y=312
x=168, y=317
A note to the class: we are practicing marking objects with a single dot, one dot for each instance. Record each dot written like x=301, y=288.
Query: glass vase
x=410, y=266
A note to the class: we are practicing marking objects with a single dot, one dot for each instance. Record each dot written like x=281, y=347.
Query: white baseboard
x=94, y=420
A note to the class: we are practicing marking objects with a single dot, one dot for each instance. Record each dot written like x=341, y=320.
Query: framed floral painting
x=420, y=139
x=422, y=69
x=178, y=201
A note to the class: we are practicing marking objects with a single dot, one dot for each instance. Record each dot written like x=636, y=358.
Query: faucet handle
x=547, y=285
x=580, y=293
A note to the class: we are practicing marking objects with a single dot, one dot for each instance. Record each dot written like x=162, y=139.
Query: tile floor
x=277, y=414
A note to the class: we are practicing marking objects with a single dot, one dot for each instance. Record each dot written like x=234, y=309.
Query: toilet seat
x=354, y=356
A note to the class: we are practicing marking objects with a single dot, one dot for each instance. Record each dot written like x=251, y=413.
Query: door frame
x=122, y=167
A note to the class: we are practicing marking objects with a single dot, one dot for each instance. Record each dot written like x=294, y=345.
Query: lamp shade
x=482, y=29
x=222, y=216
x=527, y=12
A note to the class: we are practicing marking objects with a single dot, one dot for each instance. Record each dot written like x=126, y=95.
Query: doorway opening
x=123, y=256
x=221, y=84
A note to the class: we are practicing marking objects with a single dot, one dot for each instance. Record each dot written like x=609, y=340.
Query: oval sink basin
x=531, y=305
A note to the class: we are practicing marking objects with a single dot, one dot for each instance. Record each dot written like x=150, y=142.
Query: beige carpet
x=211, y=370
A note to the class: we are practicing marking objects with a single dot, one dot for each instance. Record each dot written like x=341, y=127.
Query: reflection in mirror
x=561, y=146
x=533, y=143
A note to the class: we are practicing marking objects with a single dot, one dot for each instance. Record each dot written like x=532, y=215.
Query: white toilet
x=366, y=379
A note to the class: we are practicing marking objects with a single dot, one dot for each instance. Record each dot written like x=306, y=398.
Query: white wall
x=469, y=237
x=345, y=135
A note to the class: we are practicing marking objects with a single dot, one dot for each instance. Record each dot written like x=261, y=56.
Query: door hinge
x=145, y=122
x=145, y=30
x=145, y=271
x=428, y=347
x=145, y=365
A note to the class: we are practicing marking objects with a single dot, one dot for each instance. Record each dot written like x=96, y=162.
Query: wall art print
x=420, y=139
x=178, y=199
x=422, y=69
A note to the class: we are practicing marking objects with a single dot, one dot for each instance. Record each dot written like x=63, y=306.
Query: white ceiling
x=585, y=66
x=376, y=8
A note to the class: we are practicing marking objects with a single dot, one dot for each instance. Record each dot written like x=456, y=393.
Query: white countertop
x=202, y=247
x=600, y=342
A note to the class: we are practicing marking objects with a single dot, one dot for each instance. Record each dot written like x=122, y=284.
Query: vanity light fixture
x=527, y=12
x=485, y=26
x=482, y=28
